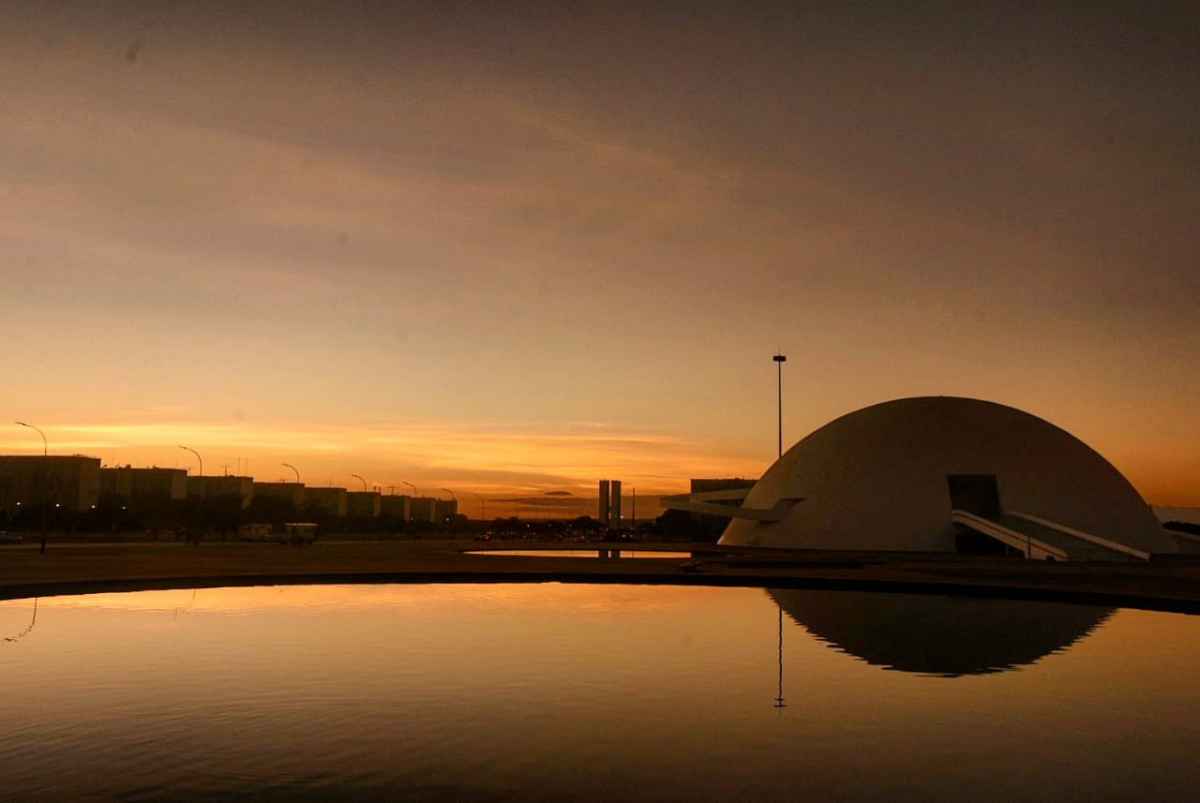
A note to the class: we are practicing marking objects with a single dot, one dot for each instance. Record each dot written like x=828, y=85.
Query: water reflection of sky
x=554, y=690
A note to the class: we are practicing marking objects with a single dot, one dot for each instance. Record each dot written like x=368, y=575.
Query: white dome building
x=945, y=474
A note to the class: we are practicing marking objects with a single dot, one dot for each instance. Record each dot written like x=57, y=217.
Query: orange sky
x=518, y=253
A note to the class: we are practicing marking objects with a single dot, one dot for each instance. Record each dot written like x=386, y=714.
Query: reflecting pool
x=592, y=692
x=593, y=553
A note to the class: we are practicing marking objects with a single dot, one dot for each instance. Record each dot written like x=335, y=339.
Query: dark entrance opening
x=974, y=493
x=978, y=494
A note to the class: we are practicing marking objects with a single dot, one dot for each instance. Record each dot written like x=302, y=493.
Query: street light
x=410, y=485
x=361, y=479
x=452, y=496
x=45, y=446
x=198, y=457
x=294, y=469
x=482, y=504
x=779, y=361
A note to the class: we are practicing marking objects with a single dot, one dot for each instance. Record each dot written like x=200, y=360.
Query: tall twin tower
x=610, y=504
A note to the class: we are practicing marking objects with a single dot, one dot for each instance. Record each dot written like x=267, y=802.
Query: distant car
x=10, y=538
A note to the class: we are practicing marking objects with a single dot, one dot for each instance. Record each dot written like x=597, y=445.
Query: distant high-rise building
x=72, y=483
x=328, y=501
x=396, y=507
x=446, y=510
x=423, y=508
x=614, y=506
x=128, y=483
x=214, y=488
x=602, y=513
x=291, y=493
x=363, y=504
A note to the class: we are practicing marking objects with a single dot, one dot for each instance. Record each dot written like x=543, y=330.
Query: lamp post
x=455, y=498
x=410, y=485
x=779, y=361
x=360, y=478
x=295, y=471
x=45, y=446
x=45, y=502
x=198, y=457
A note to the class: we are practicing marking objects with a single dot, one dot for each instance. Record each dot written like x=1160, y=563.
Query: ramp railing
x=1081, y=535
x=1033, y=548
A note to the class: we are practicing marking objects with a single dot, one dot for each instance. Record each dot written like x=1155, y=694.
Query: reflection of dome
x=939, y=635
x=888, y=476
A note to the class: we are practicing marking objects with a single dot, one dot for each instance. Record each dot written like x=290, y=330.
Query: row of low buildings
x=78, y=484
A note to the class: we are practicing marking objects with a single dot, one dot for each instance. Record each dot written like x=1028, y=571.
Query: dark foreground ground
x=1170, y=584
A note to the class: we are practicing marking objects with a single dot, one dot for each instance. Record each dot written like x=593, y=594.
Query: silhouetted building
x=396, y=507
x=363, y=504
x=159, y=484
x=602, y=512
x=326, y=501
x=72, y=482
x=291, y=493
x=222, y=488
x=702, y=486
x=614, y=505
x=941, y=473
x=445, y=510
x=424, y=508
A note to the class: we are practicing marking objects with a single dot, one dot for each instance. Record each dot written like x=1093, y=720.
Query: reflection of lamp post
x=361, y=479
x=779, y=361
x=198, y=457
x=295, y=470
x=779, y=703
x=45, y=446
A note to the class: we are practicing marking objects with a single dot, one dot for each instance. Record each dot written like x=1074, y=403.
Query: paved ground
x=75, y=568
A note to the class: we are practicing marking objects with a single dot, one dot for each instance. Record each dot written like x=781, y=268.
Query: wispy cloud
x=494, y=460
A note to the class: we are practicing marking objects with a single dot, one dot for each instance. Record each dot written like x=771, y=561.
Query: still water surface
x=520, y=692
x=593, y=553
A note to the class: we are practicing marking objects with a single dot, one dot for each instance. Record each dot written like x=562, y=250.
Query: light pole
x=295, y=470
x=45, y=446
x=45, y=502
x=410, y=485
x=360, y=478
x=198, y=457
x=779, y=361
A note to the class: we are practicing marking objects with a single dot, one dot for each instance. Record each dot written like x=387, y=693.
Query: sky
x=516, y=250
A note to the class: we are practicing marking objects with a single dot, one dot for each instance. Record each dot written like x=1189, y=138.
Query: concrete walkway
x=78, y=569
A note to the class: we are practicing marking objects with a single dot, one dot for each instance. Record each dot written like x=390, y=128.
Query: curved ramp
x=1041, y=539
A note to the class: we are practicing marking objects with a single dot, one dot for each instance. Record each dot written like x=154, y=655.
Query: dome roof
x=882, y=478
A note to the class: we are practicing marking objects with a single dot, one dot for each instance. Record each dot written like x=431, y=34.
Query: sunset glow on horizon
x=510, y=255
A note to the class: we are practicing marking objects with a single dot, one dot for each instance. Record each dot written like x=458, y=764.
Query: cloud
x=495, y=460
